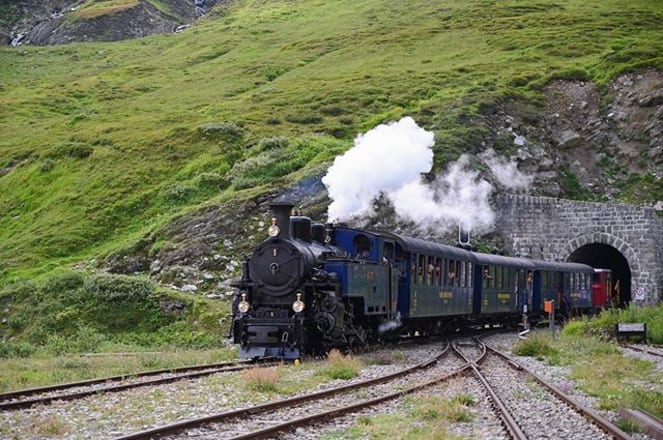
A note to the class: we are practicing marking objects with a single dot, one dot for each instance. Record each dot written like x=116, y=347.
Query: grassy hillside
x=101, y=143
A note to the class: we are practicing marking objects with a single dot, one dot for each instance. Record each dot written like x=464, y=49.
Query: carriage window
x=486, y=277
x=498, y=277
x=438, y=272
x=529, y=280
x=388, y=252
x=463, y=273
x=430, y=271
x=420, y=269
x=451, y=273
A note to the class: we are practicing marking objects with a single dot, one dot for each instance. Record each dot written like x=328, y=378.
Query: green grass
x=604, y=325
x=600, y=370
x=70, y=312
x=34, y=371
x=105, y=141
x=423, y=417
x=339, y=366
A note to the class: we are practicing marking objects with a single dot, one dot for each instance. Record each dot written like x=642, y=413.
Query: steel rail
x=45, y=400
x=48, y=388
x=325, y=415
x=589, y=414
x=269, y=406
x=503, y=413
x=643, y=350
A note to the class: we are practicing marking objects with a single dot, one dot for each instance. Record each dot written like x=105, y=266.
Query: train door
x=390, y=259
x=405, y=274
x=536, y=288
x=522, y=290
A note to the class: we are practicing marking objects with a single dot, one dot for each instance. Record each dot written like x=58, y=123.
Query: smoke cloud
x=458, y=196
x=506, y=171
x=381, y=161
x=388, y=162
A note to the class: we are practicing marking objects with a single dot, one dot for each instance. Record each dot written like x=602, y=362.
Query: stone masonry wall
x=552, y=229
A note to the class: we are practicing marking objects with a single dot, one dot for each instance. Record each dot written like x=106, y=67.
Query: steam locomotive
x=311, y=287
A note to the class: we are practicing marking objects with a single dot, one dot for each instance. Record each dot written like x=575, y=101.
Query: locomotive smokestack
x=281, y=211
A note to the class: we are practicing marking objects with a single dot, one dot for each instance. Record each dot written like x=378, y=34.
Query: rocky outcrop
x=61, y=22
x=584, y=134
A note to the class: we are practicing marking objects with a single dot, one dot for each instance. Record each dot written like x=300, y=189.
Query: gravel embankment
x=110, y=415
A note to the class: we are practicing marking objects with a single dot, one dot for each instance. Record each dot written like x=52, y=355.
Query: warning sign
x=639, y=294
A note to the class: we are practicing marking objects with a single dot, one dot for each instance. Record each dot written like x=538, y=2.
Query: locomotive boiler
x=286, y=302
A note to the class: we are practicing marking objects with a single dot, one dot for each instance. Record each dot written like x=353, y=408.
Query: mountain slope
x=104, y=142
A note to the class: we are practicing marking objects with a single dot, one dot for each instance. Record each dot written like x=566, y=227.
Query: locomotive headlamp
x=243, y=305
x=273, y=230
x=298, y=305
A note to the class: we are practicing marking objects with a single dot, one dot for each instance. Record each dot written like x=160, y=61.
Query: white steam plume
x=389, y=160
x=382, y=160
x=506, y=171
x=458, y=196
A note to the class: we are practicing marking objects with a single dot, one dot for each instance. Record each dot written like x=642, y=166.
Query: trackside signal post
x=549, y=306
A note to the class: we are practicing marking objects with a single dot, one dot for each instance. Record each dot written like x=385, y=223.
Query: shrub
x=605, y=323
x=273, y=72
x=464, y=399
x=62, y=283
x=339, y=366
x=576, y=327
x=221, y=130
x=16, y=349
x=304, y=119
x=628, y=425
x=211, y=181
x=178, y=192
x=261, y=379
x=536, y=347
x=75, y=150
x=273, y=143
x=46, y=166
x=437, y=408
x=118, y=288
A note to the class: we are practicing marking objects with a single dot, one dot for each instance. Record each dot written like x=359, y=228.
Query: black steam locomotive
x=311, y=287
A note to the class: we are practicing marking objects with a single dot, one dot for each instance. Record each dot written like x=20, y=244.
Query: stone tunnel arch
x=608, y=252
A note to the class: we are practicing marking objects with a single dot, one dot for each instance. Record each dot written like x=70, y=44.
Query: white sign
x=640, y=294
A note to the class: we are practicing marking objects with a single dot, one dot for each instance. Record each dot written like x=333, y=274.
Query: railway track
x=306, y=416
x=267, y=419
x=654, y=350
x=77, y=390
x=519, y=395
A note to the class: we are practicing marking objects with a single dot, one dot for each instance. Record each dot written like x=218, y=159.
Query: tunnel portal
x=603, y=256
